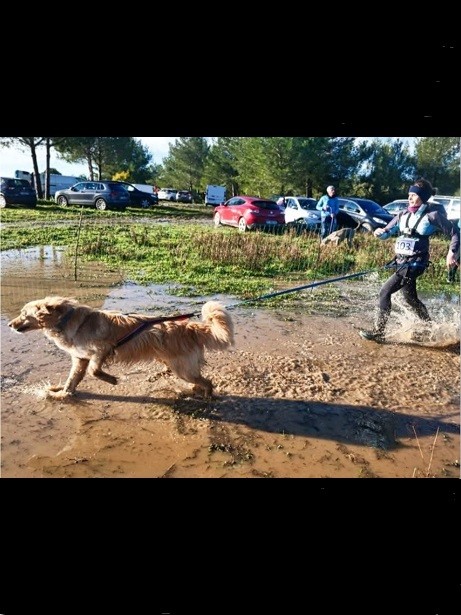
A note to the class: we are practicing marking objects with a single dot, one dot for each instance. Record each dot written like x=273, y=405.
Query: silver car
x=395, y=207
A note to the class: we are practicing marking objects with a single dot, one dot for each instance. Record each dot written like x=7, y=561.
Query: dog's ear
x=46, y=308
x=43, y=309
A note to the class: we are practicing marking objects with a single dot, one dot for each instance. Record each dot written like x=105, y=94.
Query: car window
x=350, y=206
x=307, y=203
x=117, y=187
x=270, y=205
x=371, y=207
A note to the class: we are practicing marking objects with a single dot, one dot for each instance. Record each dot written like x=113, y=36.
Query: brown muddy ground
x=298, y=396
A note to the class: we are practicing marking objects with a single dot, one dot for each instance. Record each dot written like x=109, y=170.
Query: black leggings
x=403, y=279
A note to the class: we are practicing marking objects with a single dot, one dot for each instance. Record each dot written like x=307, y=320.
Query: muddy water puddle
x=300, y=395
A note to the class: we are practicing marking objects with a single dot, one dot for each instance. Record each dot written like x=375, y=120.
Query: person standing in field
x=453, y=260
x=328, y=205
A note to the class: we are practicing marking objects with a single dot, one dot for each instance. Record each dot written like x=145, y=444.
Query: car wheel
x=145, y=203
x=366, y=228
x=217, y=219
x=62, y=201
x=242, y=225
x=100, y=204
x=2, y=201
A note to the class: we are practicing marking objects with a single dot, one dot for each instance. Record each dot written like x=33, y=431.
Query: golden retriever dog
x=93, y=336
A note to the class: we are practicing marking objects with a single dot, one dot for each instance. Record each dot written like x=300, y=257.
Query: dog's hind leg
x=189, y=369
x=76, y=374
x=96, y=371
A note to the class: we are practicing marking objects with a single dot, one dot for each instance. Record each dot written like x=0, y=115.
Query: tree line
x=379, y=169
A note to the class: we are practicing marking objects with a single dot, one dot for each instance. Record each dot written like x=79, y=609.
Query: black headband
x=424, y=193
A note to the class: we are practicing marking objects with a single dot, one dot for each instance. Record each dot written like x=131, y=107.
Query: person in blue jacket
x=412, y=227
x=453, y=260
x=328, y=205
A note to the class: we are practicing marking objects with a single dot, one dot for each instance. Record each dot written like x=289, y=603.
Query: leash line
x=304, y=286
x=152, y=321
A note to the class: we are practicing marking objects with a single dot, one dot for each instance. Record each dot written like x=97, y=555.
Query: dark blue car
x=14, y=191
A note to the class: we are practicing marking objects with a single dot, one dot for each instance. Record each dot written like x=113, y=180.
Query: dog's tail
x=219, y=326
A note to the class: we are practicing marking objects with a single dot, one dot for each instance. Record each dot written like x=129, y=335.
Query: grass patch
x=178, y=245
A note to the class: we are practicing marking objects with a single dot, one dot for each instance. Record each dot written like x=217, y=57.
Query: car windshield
x=442, y=201
x=370, y=207
x=307, y=203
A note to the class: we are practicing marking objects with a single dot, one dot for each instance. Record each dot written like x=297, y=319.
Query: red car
x=248, y=213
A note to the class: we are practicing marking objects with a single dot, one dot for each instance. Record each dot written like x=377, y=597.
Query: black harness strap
x=147, y=323
x=64, y=320
x=407, y=221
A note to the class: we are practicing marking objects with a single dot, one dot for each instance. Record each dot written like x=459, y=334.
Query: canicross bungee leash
x=154, y=321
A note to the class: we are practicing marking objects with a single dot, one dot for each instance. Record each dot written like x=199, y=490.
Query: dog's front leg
x=76, y=374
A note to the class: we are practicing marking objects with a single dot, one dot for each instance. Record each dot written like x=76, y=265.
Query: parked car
x=450, y=203
x=248, y=213
x=395, y=207
x=184, y=196
x=167, y=194
x=369, y=214
x=140, y=198
x=98, y=194
x=14, y=191
x=302, y=209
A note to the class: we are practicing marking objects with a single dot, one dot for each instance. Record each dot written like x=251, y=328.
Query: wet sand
x=299, y=396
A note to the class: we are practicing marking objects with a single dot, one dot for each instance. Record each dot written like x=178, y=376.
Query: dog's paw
x=54, y=389
x=58, y=394
x=204, y=392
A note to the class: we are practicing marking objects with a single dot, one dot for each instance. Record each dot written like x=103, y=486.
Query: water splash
x=442, y=331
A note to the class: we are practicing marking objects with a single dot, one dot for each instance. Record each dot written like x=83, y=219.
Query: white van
x=215, y=195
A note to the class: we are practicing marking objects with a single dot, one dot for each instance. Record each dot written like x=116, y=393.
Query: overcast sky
x=15, y=159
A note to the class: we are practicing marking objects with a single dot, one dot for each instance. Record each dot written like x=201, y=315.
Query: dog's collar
x=64, y=320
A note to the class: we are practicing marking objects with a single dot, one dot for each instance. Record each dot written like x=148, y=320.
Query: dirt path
x=298, y=396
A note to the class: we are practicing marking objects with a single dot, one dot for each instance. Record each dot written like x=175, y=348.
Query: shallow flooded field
x=300, y=394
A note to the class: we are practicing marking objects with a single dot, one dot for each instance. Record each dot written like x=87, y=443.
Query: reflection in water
x=34, y=273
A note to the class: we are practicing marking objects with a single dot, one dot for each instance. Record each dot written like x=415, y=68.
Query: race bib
x=405, y=246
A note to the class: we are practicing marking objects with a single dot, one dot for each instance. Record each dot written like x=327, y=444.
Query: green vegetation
x=161, y=246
